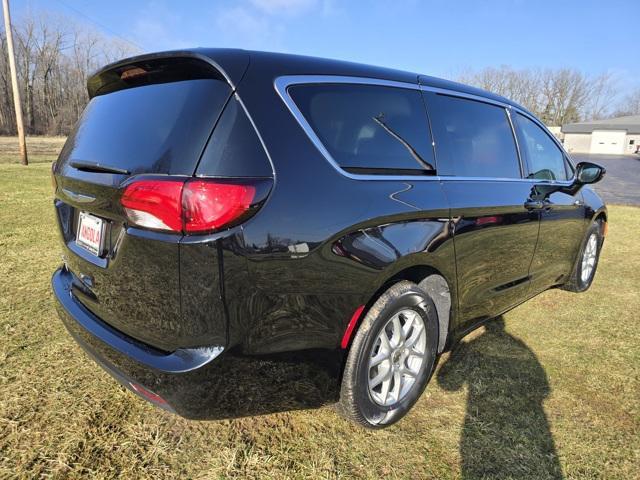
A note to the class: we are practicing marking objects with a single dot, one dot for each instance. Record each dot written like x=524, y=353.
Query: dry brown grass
x=556, y=394
x=39, y=149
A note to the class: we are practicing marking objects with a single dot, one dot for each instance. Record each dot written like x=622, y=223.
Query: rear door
x=151, y=118
x=562, y=216
x=495, y=234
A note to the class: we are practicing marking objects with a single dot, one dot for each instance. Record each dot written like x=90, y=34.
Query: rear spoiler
x=228, y=65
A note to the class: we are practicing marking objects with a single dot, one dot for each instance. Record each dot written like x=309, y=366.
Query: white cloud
x=156, y=28
x=248, y=28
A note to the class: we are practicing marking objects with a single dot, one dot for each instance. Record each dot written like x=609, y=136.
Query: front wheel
x=391, y=358
x=585, y=268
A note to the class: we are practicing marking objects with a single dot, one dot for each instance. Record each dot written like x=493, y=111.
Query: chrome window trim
x=517, y=143
x=282, y=83
x=468, y=96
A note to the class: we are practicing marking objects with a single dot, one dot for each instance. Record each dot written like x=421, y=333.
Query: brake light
x=191, y=206
x=209, y=206
x=154, y=204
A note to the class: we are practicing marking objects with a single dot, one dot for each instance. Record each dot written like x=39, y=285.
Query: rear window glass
x=157, y=128
x=473, y=139
x=369, y=128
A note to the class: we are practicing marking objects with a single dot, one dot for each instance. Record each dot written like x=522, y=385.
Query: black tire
x=576, y=282
x=356, y=402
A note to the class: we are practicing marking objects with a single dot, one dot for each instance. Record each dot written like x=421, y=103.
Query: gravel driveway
x=621, y=184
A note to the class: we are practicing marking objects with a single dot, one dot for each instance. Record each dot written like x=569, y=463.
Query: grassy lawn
x=39, y=149
x=553, y=392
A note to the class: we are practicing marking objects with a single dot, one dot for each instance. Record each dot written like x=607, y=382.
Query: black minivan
x=249, y=232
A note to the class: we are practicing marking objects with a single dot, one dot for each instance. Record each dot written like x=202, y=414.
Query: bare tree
x=603, y=90
x=556, y=96
x=55, y=56
x=630, y=105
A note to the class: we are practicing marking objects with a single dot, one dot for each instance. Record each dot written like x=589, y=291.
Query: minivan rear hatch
x=151, y=117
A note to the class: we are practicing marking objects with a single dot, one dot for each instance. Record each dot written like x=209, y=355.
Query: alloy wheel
x=589, y=258
x=397, y=357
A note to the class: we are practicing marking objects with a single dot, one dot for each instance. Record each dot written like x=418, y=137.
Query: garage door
x=577, y=142
x=608, y=141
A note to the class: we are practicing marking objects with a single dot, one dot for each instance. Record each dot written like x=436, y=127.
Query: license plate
x=90, y=233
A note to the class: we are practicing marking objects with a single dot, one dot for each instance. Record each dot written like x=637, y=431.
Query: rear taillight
x=154, y=204
x=188, y=206
x=209, y=206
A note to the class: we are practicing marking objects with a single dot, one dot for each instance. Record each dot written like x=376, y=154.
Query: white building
x=612, y=136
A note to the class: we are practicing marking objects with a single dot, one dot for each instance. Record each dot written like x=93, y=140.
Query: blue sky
x=436, y=37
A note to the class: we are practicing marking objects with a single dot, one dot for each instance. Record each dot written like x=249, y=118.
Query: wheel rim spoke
x=397, y=385
x=410, y=372
x=415, y=336
x=384, y=341
x=398, y=334
x=408, y=324
x=382, y=376
x=379, y=358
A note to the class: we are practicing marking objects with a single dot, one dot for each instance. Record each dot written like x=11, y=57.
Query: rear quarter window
x=234, y=149
x=369, y=128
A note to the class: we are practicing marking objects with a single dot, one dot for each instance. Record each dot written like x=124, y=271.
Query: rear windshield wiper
x=98, y=168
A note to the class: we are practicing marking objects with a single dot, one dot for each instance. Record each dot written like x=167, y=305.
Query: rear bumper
x=201, y=383
x=75, y=317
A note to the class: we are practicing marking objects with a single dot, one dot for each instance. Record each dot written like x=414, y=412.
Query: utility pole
x=14, y=84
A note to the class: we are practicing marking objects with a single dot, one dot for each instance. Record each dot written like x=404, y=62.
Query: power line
x=104, y=27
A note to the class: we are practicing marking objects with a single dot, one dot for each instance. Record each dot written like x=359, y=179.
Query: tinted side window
x=368, y=128
x=545, y=159
x=234, y=149
x=473, y=139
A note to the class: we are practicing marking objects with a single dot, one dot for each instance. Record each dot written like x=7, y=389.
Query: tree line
x=54, y=58
x=557, y=96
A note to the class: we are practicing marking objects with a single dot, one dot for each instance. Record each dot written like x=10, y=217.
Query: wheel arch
x=601, y=215
x=436, y=285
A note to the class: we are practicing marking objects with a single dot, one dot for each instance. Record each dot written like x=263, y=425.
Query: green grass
x=39, y=149
x=556, y=392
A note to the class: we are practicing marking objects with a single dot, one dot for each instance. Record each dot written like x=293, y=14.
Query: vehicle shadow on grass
x=506, y=432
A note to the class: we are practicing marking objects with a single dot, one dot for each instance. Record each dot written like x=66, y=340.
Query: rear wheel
x=585, y=268
x=391, y=358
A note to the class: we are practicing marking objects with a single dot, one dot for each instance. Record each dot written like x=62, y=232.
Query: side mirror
x=587, y=172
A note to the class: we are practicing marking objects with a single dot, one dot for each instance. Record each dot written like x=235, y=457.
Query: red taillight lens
x=209, y=205
x=154, y=204
x=194, y=206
